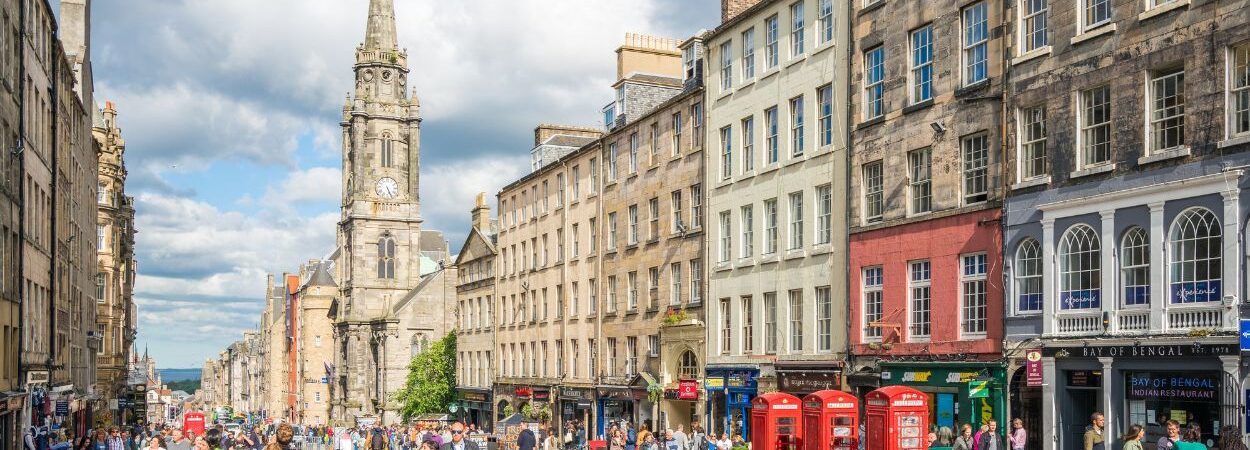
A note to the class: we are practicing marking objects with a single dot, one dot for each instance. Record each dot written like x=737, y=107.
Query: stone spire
x=380, y=33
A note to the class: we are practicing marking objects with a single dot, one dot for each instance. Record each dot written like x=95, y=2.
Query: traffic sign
x=1244, y=335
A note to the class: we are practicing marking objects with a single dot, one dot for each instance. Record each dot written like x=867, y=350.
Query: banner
x=1033, y=368
x=1185, y=386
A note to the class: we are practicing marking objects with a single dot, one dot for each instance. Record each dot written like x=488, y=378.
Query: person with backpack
x=377, y=439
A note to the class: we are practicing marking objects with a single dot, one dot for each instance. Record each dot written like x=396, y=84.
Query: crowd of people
x=619, y=435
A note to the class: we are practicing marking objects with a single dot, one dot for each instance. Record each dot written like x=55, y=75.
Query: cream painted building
x=535, y=293
x=475, y=332
x=776, y=188
x=114, y=290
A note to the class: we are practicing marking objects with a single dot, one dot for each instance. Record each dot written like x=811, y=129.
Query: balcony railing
x=1174, y=320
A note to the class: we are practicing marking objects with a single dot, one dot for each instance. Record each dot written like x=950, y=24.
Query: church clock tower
x=380, y=228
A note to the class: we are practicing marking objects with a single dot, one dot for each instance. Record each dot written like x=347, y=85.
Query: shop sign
x=1196, y=292
x=618, y=394
x=1143, y=351
x=572, y=394
x=1181, y=386
x=62, y=408
x=714, y=383
x=1244, y=335
x=1085, y=378
x=978, y=389
x=523, y=392
x=736, y=380
x=670, y=394
x=473, y=396
x=806, y=382
x=541, y=395
x=687, y=390
x=1082, y=299
x=1033, y=368
x=14, y=403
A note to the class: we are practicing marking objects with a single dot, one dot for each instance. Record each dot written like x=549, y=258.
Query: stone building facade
x=652, y=252
x=55, y=168
x=114, y=290
x=395, y=293
x=926, y=186
x=314, y=347
x=12, y=279
x=775, y=190
x=534, y=284
x=1127, y=130
x=274, y=342
x=475, y=300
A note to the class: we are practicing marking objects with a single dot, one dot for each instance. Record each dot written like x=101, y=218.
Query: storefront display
x=729, y=394
x=957, y=393
x=616, y=405
x=576, y=404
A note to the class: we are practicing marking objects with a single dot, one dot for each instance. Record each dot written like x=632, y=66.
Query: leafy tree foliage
x=431, y=383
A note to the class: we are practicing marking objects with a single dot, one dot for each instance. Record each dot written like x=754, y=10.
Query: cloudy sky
x=230, y=111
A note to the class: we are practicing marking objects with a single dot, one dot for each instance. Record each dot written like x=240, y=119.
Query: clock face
x=387, y=188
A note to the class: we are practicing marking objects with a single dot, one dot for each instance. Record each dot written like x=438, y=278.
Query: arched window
x=1028, y=273
x=1195, y=257
x=1080, y=269
x=1135, y=266
x=388, y=154
x=689, y=369
x=419, y=344
x=386, y=258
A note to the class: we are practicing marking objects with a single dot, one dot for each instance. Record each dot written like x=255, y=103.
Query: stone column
x=1049, y=299
x=1231, y=259
x=1158, y=257
x=1050, y=413
x=1108, y=293
x=1108, y=411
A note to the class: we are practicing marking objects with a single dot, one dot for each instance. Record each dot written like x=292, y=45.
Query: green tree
x=431, y=382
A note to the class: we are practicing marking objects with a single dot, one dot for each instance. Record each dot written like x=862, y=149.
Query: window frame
x=872, y=306
x=725, y=251
x=772, y=141
x=748, y=54
x=919, y=310
x=771, y=232
x=1153, y=121
x=920, y=64
x=970, y=61
x=1080, y=243
x=798, y=29
x=726, y=65
x=920, y=181
x=972, y=171
x=874, y=193
x=796, y=320
x=824, y=214
x=824, y=109
x=726, y=152
x=1084, y=7
x=1026, y=143
x=1086, y=111
x=748, y=144
x=980, y=276
x=746, y=220
x=1214, y=263
x=772, y=34
x=1028, y=20
x=1134, y=264
x=1029, y=250
x=795, y=224
x=1232, y=91
x=874, y=85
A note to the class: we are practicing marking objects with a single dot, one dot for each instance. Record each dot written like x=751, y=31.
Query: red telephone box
x=898, y=419
x=775, y=422
x=830, y=421
x=193, y=422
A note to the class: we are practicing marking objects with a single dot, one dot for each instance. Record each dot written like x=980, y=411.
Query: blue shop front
x=729, y=395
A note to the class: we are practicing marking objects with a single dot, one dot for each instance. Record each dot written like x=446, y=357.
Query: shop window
x=1196, y=257
x=1080, y=269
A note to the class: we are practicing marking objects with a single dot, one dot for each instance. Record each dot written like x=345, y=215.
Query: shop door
x=1083, y=402
x=944, y=416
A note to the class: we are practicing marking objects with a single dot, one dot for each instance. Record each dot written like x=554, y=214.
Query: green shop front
x=959, y=392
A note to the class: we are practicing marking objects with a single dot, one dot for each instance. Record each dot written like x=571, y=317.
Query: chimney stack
x=481, y=213
x=731, y=8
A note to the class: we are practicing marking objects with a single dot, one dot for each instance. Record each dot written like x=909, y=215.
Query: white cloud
x=318, y=184
x=448, y=191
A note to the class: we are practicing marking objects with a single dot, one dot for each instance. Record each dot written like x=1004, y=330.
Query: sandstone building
x=475, y=300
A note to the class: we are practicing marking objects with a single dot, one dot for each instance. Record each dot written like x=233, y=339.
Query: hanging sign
x=1033, y=368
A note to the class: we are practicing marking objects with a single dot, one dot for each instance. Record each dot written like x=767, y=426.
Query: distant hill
x=172, y=375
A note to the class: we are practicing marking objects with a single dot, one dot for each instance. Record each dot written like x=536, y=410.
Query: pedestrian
x=698, y=439
x=1230, y=438
x=964, y=441
x=1192, y=440
x=282, y=438
x=1093, y=432
x=724, y=443
x=1132, y=438
x=990, y=439
x=156, y=443
x=631, y=436
x=101, y=441
x=1018, y=437
x=616, y=439
x=179, y=441
x=526, y=440
x=1169, y=440
x=976, y=438
x=644, y=433
x=945, y=437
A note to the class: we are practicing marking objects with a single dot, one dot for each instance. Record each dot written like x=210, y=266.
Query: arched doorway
x=1026, y=405
x=499, y=410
